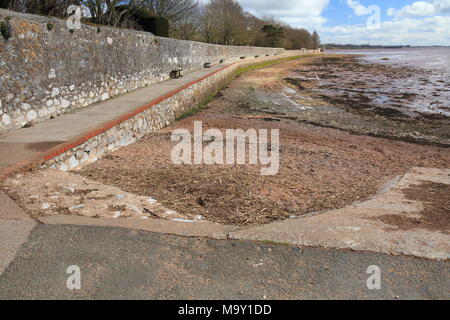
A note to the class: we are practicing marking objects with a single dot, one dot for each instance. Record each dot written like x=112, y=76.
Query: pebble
x=116, y=214
x=182, y=220
x=76, y=207
x=151, y=201
x=45, y=206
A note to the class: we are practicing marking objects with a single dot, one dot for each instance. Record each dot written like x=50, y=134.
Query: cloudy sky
x=392, y=22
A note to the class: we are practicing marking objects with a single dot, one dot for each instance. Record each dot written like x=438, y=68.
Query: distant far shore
x=366, y=47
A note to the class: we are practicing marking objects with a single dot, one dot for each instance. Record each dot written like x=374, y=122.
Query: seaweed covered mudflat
x=397, y=102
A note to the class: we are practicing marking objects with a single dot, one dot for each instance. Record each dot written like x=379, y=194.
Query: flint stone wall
x=151, y=120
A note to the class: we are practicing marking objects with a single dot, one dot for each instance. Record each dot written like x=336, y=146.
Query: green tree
x=4, y=4
x=274, y=35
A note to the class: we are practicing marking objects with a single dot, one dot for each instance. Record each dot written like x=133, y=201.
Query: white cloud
x=421, y=9
x=442, y=6
x=297, y=13
x=358, y=8
x=413, y=31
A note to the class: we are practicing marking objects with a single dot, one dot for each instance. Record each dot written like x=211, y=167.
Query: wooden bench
x=175, y=74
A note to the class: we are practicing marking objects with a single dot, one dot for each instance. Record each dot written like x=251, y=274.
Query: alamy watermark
x=373, y=22
x=214, y=147
x=74, y=280
x=374, y=281
x=74, y=19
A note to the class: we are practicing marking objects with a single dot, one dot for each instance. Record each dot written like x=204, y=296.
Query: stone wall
x=45, y=70
x=154, y=118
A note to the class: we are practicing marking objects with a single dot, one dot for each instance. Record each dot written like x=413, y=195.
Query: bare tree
x=207, y=25
x=315, y=39
x=174, y=10
x=106, y=11
x=187, y=28
x=229, y=20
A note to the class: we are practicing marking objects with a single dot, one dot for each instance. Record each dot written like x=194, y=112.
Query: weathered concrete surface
x=15, y=226
x=117, y=263
x=9, y=210
x=13, y=233
x=52, y=192
x=188, y=229
x=356, y=227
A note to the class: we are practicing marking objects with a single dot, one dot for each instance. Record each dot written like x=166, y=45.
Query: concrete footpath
x=15, y=227
x=30, y=143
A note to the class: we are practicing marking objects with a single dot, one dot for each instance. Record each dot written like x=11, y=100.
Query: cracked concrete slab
x=357, y=227
x=9, y=210
x=190, y=229
x=15, y=227
x=13, y=234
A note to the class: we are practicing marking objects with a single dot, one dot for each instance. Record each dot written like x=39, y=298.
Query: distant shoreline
x=356, y=47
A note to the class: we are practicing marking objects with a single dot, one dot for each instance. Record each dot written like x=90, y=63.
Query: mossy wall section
x=45, y=72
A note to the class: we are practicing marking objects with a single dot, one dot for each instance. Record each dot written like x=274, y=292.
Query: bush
x=159, y=26
x=143, y=19
x=5, y=30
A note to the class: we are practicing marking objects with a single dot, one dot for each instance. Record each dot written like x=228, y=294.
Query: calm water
x=428, y=58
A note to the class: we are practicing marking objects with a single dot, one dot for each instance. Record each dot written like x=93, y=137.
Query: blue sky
x=425, y=22
x=338, y=12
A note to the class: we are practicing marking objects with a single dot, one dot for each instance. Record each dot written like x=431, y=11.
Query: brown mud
x=435, y=215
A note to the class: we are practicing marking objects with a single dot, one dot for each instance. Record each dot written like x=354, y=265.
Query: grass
x=266, y=64
x=238, y=72
x=198, y=108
